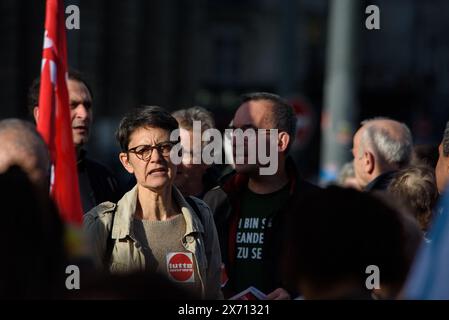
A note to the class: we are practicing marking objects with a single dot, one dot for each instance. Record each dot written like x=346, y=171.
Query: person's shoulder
x=216, y=189
x=104, y=210
x=214, y=195
x=202, y=206
x=97, y=228
x=98, y=222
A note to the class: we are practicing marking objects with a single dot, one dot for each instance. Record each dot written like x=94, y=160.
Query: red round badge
x=180, y=266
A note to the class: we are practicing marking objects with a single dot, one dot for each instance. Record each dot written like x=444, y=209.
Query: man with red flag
x=96, y=182
x=54, y=115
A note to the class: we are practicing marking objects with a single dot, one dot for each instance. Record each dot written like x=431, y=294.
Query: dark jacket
x=97, y=184
x=381, y=182
x=225, y=202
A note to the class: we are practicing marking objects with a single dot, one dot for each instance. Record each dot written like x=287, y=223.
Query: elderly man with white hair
x=380, y=147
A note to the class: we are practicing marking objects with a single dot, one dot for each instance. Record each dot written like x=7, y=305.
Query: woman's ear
x=124, y=159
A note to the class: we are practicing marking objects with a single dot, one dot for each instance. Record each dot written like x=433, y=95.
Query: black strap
x=109, y=246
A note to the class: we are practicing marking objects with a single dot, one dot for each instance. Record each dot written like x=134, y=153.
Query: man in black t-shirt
x=251, y=207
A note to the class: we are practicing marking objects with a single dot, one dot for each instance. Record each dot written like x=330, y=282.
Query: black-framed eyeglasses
x=143, y=152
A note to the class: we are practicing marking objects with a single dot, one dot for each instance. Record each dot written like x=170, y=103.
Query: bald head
x=390, y=141
x=380, y=145
x=23, y=146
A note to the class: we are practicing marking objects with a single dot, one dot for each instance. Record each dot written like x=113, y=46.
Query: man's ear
x=283, y=141
x=369, y=162
x=36, y=113
x=125, y=162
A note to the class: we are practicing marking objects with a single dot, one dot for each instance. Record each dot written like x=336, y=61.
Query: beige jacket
x=127, y=254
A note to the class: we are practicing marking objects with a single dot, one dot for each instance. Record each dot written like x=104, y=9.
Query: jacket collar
x=381, y=182
x=126, y=208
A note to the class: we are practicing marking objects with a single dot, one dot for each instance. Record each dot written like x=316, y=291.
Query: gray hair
x=185, y=118
x=391, y=150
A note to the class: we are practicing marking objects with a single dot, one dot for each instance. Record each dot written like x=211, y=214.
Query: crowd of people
x=197, y=230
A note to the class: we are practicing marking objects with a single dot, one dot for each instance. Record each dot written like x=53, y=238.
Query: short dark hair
x=284, y=118
x=33, y=91
x=144, y=117
x=445, y=141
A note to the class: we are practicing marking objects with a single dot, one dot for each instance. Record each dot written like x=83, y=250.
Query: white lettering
x=73, y=20
x=256, y=253
x=247, y=147
x=373, y=280
x=242, y=253
x=373, y=20
x=195, y=310
x=73, y=280
x=212, y=151
x=250, y=237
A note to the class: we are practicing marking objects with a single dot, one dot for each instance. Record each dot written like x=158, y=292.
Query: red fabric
x=54, y=122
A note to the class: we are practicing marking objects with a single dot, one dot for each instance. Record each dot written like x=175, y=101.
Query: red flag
x=54, y=115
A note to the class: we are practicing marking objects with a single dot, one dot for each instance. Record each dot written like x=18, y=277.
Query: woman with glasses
x=153, y=228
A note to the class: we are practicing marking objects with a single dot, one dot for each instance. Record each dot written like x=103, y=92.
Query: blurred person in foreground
x=347, y=233
x=380, y=147
x=130, y=286
x=34, y=261
x=252, y=207
x=96, y=182
x=153, y=228
x=23, y=146
x=429, y=275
